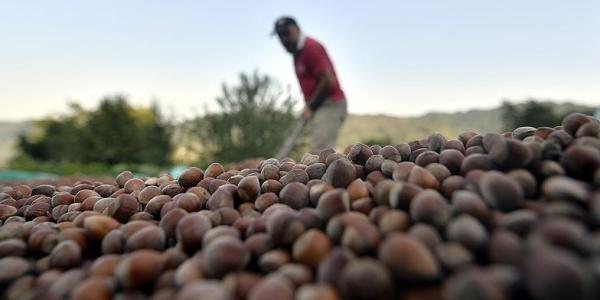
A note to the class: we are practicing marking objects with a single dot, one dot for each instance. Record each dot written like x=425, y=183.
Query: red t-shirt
x=309, y=62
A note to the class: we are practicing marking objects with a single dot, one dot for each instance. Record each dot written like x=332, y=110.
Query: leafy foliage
x=536, y=114
x=114, y=133
x=253, y=120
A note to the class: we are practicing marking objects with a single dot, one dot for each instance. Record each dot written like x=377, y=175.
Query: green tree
x=61, y=139
x=113, y=133
x=155, y=135
x=253, y=120
x=531, y=113
x=537, y=113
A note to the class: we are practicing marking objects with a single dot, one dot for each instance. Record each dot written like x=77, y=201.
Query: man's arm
x=324, y=84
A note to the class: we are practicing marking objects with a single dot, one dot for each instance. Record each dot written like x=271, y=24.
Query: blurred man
x=325, y=101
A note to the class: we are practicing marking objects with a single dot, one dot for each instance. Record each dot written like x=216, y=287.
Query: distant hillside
x=361, y=128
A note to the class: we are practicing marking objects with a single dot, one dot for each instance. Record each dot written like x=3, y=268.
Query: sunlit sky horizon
x=392, y=57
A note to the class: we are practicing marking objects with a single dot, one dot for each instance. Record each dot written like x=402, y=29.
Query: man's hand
x=307, y=114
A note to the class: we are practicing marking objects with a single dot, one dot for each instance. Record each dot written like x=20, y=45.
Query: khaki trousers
x=324, y=127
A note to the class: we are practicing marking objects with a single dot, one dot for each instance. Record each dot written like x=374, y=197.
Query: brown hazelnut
x=239, y=284
x=249, y=188
x=97, y=226
x=422, y=177
x=43, y=189
x=123, y=177
x=430, y=207
x=102, y=288
x=67, y=254
x=298, y=274
x=12, y=268
x=265, y=200
x=295, y=195
x=271, y=185
x=188, y=202
x=223, y=255
x=170, y=221
x=333, y=202
x=189, y=271
x=501, y=191
x=294, y=175
x=140, y=269
x=408, y=258
x=172, y=189
x=214, y=170
x=220, y=198
x=374, y=163
x=473, y=281
x=272, y=260
x=311, y=247
x=150, y=237
x=190, y=177
x=122, y=208
x=104, y=266
x=316, y=170
x=191, y=230
x=12, y=247
x=258, y=244
x=113, y=242
x=365, y=278
x=274, y=287
x=340, y=173
x=283, y=227
x=155, y=204
x=468, y=231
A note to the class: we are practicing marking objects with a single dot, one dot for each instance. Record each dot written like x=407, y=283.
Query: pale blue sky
x=393, y=57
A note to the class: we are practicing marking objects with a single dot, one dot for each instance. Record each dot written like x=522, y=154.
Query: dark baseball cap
x=282, y=24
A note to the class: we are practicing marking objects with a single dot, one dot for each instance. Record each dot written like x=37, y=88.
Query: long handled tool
x=291, y=140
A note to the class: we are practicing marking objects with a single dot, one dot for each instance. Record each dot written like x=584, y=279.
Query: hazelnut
x=408, y=258
x=190, y=177
x=140, y=269
x=271, y=185
x=214, y=170
x=501, y=191
x=104, y=266
x=188, y=202
x=102, y=288
x=430, y=207
x=12, y=247
x=122, y=208
x=295, y=195
x=191, y=230
x=123, y=177
x=274, y=287
x=150, y=237
x=67, y=254
x=249, y=188
x=97, y=226
x=365, y=278
x=340, y=173
x=12, y=268
x=239, y=284
x=311, y=247
x=223, y=255
x=170, y=221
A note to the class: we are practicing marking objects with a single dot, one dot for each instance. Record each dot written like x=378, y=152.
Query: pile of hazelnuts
x=483, y=216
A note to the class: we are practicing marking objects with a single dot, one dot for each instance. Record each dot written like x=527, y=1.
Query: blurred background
x=94, y=87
